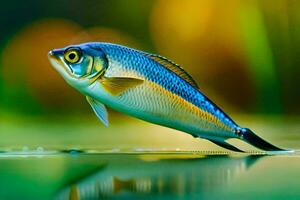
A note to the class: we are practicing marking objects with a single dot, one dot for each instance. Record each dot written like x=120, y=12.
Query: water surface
x=80, y=159
x=157, y=175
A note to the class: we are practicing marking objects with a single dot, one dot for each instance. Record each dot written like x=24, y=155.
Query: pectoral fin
x=99, y=110
x=117, y=85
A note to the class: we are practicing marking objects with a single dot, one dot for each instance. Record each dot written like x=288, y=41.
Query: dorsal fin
x=174, y=68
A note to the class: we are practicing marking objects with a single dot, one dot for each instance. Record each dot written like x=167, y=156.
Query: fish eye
x=72, y=55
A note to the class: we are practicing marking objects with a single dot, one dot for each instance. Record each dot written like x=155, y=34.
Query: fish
x=149, y=87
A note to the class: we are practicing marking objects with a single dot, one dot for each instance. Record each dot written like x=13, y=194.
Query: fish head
x=80, y=65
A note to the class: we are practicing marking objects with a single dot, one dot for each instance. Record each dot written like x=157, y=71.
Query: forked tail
x=258, y=142
x=251, y=138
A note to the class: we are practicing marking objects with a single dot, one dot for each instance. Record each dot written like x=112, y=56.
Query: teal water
x=136, y=160
x=148, y=175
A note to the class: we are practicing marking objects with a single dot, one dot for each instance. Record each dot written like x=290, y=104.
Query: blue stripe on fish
x=156, y=73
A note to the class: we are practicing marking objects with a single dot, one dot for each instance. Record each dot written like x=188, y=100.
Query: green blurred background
x=243, y=53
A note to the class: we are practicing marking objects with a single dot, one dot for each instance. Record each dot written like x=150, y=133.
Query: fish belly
x=153, y=103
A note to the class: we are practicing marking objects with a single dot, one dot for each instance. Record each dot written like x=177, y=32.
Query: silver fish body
x=148, y=87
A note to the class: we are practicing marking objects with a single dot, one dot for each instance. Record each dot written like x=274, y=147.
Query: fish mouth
x=52, y=55
x=55, y=54
x=58, y=64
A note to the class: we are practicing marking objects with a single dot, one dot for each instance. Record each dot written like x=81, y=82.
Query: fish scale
x=152, y=71
x=148, y=87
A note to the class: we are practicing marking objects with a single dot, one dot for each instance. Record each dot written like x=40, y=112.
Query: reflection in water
x=151, y=178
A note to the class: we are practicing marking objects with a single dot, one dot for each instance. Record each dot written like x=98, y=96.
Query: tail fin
x=258, y=142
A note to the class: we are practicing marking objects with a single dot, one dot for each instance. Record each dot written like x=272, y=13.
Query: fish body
x=148, y=87
x=163, y=98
